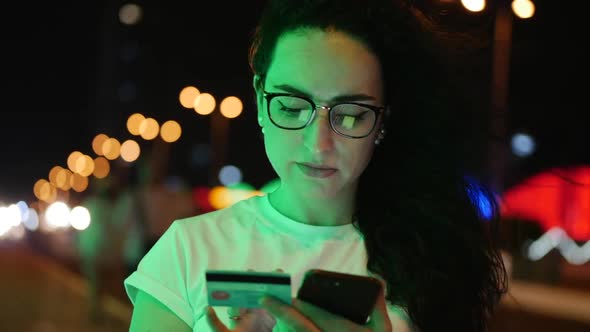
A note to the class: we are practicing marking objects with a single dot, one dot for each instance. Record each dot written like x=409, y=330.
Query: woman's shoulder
x=239, y=211
x=204, y=232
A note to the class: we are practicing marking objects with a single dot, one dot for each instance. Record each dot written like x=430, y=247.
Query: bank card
x=243, y=289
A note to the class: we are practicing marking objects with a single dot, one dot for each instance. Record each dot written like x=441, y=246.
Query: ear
x=384, y=120
x=380, y=135
x=258, y=85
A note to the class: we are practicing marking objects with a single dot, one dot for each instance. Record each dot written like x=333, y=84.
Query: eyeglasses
x=353, y=120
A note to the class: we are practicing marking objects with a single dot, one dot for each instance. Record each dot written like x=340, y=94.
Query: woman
x=332, y=79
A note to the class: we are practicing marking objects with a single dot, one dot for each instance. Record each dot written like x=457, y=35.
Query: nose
x=317, y=136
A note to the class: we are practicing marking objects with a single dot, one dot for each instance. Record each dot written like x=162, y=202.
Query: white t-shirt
x=250, y=234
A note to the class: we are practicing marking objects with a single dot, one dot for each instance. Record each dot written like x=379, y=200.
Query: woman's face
x=325, y=66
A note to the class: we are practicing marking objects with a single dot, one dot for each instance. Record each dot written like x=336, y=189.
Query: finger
x=323, y=319
x=236, y=311
x=288, y=315
x=214, y=321
x=257, y=320
x=379, y=318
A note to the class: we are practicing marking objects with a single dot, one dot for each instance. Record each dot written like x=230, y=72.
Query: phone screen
x=346, y=295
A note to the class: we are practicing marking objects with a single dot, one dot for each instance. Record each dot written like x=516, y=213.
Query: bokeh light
x=188, y=96
x=102, y=167
x=170, y=131
x=130, y=14
x=5, y=220
x=13, y=215
x=229, y=175
x=73, y=159
x=37, y=187
x=63, y=179
x=205, y=104
x=53, y=174
x=219, y=197
x=23, y=209
x=149, y=129
x=474, y=5
x=242, y=190
x=45, y=191
x=133, y=123
x=78, y=182
x=57, y=215
x=79, y=218
x=97, y=143
x=523, y=145
x=130, y=150
x=85, y=165
x=231, y=107
x=523, y=8
x=32, y=221
x=200, y=197
x=111, y=148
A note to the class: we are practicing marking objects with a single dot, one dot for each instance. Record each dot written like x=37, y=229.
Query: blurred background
x=119, y=117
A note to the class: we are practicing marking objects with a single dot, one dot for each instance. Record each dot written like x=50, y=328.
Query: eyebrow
x=337, y=99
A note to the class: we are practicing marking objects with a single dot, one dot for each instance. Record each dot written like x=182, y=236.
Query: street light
x=499, y=88
x=230, y=108
x=205, y=104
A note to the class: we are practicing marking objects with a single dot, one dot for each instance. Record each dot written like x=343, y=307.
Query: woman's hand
x=305, y=317
x=243, y=319
x=248, y=320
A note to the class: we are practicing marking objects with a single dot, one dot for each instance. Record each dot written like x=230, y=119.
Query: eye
x=288, y=109
x=290, y=105
x=351, y=119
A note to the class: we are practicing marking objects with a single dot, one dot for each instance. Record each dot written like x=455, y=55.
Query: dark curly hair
x=423, y=231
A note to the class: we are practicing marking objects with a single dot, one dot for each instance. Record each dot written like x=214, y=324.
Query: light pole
x=499, y=93
x=229, y=108
x=219, y=137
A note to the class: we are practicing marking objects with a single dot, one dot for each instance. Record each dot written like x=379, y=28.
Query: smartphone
x=346, y=295
x=242, y=289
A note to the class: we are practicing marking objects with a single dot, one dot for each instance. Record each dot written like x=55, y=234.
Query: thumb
x=379, y=318
x=257, y=320
x=214, y=321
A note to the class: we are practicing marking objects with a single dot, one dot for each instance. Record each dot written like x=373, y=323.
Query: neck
x=319, y=211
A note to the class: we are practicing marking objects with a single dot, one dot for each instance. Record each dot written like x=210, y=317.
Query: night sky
x=66, y=66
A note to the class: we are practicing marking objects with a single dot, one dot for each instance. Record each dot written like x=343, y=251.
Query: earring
x=260, y=124
x=380, y=136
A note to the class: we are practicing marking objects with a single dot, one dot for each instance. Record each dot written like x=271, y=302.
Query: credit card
x=243, y=289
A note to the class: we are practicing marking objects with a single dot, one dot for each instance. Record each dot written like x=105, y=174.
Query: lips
x=316, y=171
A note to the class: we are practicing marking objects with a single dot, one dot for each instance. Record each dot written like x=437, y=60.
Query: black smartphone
x=346, y=295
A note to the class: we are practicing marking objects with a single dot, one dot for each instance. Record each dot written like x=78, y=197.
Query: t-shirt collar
x=279, y=222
